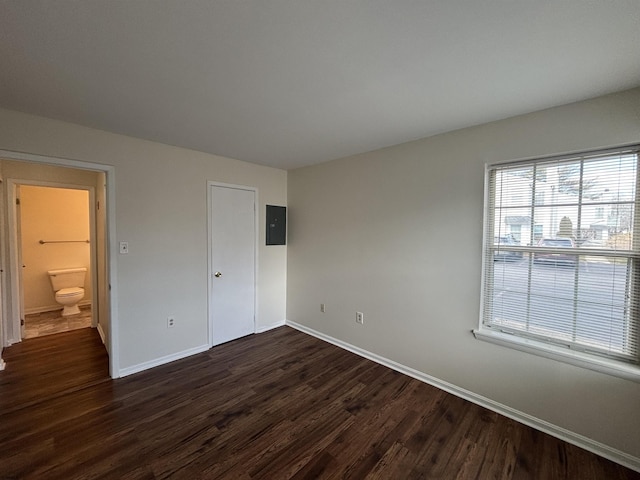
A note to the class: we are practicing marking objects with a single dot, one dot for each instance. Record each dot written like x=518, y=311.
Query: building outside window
x=516, y=233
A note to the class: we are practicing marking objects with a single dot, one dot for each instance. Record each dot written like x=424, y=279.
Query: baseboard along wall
x=568, y=436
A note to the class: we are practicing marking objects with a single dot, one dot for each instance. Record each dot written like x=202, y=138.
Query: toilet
x=68, y=284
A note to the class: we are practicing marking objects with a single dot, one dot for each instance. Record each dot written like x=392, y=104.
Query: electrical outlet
x=360, y=318
x=124, y=248
x=171, y=322
x=322, y=307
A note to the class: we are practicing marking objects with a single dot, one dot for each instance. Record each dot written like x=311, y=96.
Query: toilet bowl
x=68, y=287
x=69, y=298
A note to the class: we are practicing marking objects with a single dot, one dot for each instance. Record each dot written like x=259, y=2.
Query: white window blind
x=562, y=253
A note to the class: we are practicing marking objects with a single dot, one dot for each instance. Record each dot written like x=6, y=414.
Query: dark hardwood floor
x=278, y=405
x=39, y=369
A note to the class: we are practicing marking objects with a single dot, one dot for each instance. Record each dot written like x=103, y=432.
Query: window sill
x=579, y=359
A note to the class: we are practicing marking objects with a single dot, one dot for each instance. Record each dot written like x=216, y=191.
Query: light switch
x=124, y=248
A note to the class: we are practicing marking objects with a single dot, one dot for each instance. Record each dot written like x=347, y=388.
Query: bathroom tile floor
x=47, y=323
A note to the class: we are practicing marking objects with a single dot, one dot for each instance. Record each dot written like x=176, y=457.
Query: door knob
x=217, y=274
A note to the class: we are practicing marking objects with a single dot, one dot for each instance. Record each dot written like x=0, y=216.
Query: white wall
x=161, y=206
x=397, y=234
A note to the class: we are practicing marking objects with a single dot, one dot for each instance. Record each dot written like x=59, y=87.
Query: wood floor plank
x=278, y=405
x=44, y=364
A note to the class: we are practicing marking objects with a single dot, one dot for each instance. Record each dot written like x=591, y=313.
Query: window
x=516, y=232
x=537, y=232
x=570, y=287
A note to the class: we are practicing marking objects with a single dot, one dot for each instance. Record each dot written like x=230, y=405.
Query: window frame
x=551, y=348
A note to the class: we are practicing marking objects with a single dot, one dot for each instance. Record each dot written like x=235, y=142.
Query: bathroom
x=54, y=231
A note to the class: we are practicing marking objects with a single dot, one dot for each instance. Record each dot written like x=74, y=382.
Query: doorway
x=43, y=250
x=22, y=168
x=54, y=228
x=232, y=265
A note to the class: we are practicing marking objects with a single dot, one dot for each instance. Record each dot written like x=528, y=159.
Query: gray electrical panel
x=276, y=225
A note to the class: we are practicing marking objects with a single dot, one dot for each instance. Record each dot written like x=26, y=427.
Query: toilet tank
x=67, y=278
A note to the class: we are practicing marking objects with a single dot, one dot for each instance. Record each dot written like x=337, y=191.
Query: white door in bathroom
x=232, y=259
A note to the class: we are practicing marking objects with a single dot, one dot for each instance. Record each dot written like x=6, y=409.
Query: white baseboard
x=176, y=356
x=52, y=308
x=581, y=441
x=162, y=360
x=270, y=327
x=46, y=308
x=103, y=337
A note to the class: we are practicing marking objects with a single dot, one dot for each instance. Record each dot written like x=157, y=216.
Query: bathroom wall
x=53, y=214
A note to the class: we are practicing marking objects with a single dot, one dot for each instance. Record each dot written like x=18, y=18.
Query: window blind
x=561, y=252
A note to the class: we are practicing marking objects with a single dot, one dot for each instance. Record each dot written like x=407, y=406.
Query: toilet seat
x=69, y=292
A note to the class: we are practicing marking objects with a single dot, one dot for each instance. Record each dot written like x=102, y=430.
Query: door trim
x=15, y=247
x=210, y=271
x=110, y=238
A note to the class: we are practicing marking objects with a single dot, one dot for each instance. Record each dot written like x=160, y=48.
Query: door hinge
x=17, y=201
x=22, y=322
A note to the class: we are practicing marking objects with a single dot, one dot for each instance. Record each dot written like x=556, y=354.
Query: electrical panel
x=276, y=225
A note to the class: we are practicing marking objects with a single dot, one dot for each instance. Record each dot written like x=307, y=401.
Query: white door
x=232, y=262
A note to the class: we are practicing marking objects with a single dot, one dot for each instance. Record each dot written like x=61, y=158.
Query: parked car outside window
x=505, y=255
x=569, y=259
